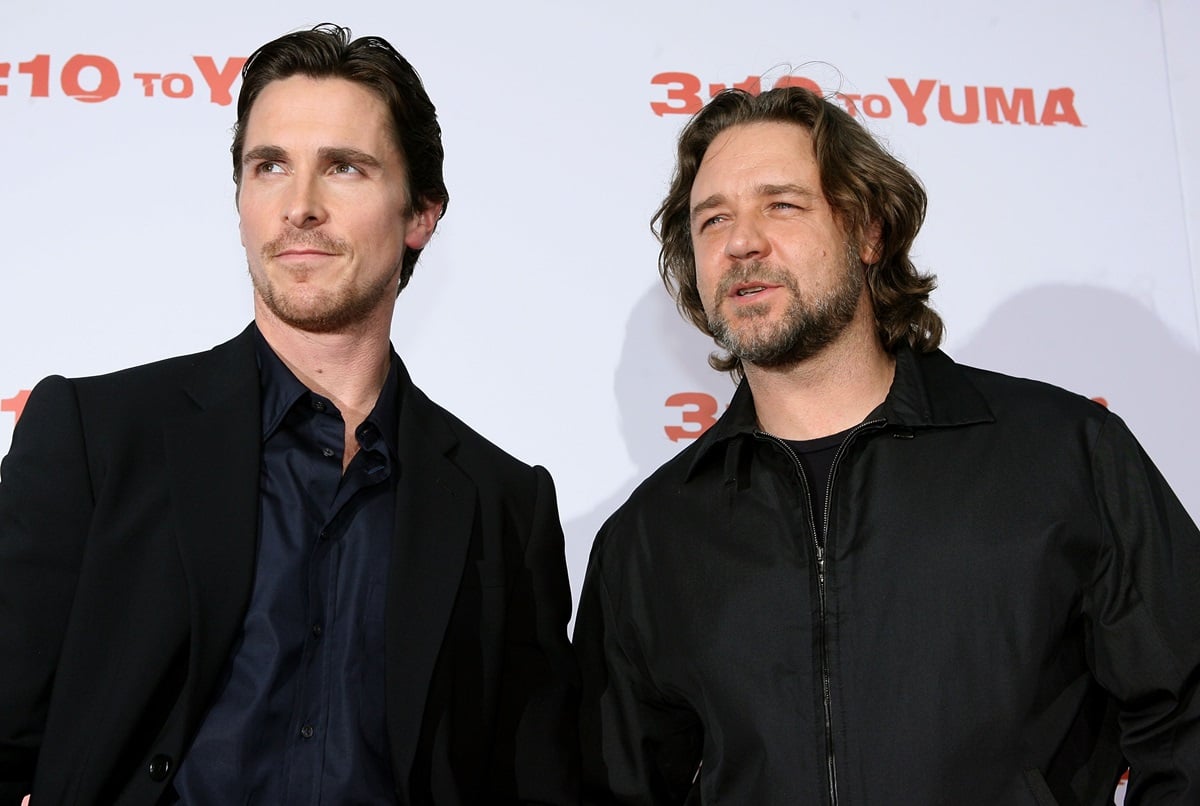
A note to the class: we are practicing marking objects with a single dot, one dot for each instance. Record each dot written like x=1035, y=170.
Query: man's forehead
x=770, y=155
x=328, y=100
x=774, y=139
x=316, y=113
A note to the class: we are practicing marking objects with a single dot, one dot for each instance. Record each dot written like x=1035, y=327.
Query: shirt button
x=316, y=630
x=160, y=767
x=327, y=452
x=318, y=405
x=307, y=731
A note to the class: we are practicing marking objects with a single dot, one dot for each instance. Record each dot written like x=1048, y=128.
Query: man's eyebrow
x=715, y=200
x=787, y=189
x=264, y=154
x=339, y=154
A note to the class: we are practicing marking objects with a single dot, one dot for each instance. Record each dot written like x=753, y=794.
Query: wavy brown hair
x=864, y=185
x=327, y=51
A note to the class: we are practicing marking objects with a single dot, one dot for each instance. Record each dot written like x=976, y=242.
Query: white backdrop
x=1065, y=234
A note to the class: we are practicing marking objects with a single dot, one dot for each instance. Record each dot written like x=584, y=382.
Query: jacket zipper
x=820, y=540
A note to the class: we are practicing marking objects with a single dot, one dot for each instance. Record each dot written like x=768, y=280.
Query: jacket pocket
x=1039, y=788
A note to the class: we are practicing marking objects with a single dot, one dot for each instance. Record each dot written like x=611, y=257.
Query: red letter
x=110, y=81
x=997, y=105
x=148, y=80
x=702, y=416
x=687, y=93
x=15, y=404
x=219, y=81
x=947, y=111
x=1060, y=107
x=39, y=68
x=4, y=66
x=851, y=103
x=184, y=82
x=914, y=102
x=882, y=106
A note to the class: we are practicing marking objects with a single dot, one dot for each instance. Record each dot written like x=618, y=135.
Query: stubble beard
x=318, y=311
x=805, y=328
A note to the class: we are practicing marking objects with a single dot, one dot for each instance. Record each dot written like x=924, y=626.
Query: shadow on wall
x=663, y=355
x=1104, y=344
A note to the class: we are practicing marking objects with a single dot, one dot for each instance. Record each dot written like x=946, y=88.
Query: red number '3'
x=699, y=412
x=683, y=88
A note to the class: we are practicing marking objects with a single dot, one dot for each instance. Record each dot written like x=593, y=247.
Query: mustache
x=755, y=270
x=304, y=240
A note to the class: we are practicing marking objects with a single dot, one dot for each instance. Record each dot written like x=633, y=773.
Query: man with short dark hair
x=276, y=572
x=881, y=577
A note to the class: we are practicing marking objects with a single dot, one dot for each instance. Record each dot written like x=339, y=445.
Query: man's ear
x=421, y=225
x=871, y=244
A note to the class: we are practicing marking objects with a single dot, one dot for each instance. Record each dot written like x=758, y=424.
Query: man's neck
x=347, y=367
x=827, y=393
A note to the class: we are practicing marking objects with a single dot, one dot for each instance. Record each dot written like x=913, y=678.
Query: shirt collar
x=281, y=390
x=383, y=422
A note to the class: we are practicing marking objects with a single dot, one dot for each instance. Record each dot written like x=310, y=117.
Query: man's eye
x=708, y=222
x=345, y=168
x=268, y=168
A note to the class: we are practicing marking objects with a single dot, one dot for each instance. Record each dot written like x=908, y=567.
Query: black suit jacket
x=128, y=526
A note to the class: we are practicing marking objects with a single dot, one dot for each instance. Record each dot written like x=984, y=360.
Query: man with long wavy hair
x=881, y=576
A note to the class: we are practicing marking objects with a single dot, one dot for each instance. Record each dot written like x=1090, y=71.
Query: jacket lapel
x=435, y=514
x=212, y=468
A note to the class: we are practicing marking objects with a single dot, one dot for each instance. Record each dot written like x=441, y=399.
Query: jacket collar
x=929, y=390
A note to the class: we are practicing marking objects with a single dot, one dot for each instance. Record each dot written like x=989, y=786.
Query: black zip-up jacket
x=1005, y=610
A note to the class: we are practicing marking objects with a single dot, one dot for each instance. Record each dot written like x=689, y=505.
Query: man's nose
x=304, y=207
x=747, y=240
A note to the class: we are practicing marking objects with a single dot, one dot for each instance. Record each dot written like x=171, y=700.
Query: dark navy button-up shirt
x=300, y=717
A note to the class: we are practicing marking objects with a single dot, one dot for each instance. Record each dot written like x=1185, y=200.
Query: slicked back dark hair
x=864, y=185
x=327, y=51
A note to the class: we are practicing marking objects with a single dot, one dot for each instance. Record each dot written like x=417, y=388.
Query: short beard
x=335, y=311
x=806, y=327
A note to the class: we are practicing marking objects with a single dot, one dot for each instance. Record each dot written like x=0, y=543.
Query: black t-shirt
x=816, y=457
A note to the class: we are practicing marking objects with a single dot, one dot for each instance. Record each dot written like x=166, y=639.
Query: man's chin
x=774, y=351
x=751, y=345
x=310, y=316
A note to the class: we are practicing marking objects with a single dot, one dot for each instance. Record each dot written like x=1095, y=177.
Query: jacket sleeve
x=536, y=750
x=638, y=747
x=1144, y=614
x=45, y=505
